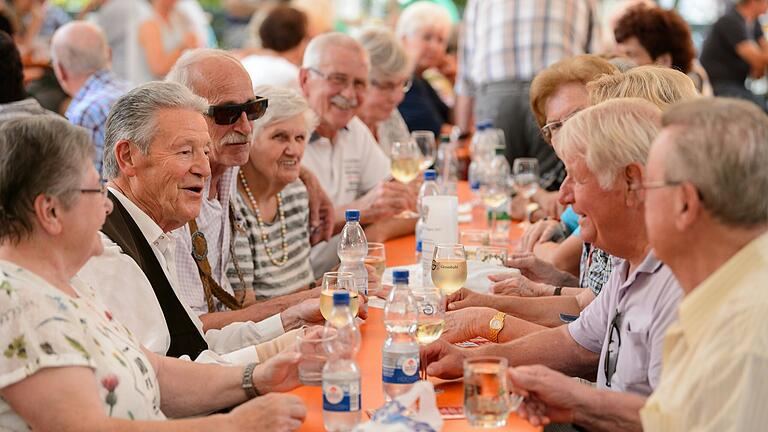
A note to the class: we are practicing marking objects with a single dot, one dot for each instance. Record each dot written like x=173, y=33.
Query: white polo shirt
x=347, y=168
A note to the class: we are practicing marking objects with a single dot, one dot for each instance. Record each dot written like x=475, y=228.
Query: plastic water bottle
x=447, y=165
x=400, y=355
x=352, y=250
x=341, y=376
x=428, y=188
x=481, y=157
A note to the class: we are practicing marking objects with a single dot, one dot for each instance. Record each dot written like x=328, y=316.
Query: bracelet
x=558, y=291
x=248, y=387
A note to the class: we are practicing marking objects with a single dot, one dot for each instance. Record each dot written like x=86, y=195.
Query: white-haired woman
x=390, y=79
x=271, y=239
x=67, y=364
x=424, y=28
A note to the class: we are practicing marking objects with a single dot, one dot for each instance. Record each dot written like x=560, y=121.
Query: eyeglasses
x=612, y=354
x=389, y=86
x=549, y=129
x=230, y=113
x=101, y=190
x=341, y=80
x=662, y=184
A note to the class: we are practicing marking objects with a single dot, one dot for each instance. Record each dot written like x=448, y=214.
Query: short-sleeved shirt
x=646, y=304
x=250, y=260
x=42, y=327
x=347, y=169
x=718, y=54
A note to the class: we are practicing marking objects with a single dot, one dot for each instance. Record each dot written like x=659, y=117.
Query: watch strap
x=558, y=291
x=248, y=387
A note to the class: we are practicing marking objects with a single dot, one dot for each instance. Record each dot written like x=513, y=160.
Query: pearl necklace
x=262, y=231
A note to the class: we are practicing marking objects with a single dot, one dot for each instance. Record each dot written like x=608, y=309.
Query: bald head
x=320, y=47
x=205, y=71
x=80, y=48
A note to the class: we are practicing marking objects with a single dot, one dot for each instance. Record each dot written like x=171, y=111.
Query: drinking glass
x=449, y=267
x=426, y=142
x=431, y=321
x=473, y=239
x=405, y=158
x=313, y=354
x=492, y=254
x=486, y=392
x=337, y=281
x=526, y=173
x=377, y=258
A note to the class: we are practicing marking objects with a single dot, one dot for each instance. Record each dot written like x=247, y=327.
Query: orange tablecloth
x=399, y=252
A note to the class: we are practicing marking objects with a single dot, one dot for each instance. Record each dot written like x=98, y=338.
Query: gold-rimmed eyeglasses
x=340, y=80
x=549, y=129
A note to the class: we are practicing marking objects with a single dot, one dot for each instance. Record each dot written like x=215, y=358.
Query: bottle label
x=341, y=396
x=400, y=368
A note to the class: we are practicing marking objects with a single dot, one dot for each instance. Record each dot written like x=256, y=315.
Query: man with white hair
x=343, y=154
x=619, y=335
x=707, y=218
x=81, y=61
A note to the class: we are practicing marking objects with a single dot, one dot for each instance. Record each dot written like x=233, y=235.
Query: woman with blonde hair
x=659, y=85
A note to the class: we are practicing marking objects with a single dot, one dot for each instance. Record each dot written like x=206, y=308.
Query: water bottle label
x=400, y=369
x=341, y=396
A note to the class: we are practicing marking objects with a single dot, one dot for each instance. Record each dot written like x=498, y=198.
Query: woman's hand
x=541, y=232
x=515, y=284
x=271, y=412
x=465, y=324
x=464, y=298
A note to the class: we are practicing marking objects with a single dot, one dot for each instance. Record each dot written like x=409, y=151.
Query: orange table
x=399, y=252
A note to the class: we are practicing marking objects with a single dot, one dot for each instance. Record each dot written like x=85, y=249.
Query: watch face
x=496, y=324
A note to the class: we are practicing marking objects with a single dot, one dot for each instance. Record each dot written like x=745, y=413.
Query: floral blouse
x=41, y=327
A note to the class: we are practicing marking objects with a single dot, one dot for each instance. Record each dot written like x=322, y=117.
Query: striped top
x=259, y=273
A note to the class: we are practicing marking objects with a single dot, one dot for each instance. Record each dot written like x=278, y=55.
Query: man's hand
x=444, y=359
x=304, y=313
x=464, y=298
x=539, y=270
x=541, y=232
x=271, y=412
x=467, y=323
x=280, y=373
x=550, y=397
x=386, y=200
x=515, y=284
x=321, y=218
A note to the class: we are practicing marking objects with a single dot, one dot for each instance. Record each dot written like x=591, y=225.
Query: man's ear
x=633, y=175
x=688, y=206
x=125, y=155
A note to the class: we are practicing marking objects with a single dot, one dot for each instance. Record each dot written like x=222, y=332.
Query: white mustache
x=236, y=138
x=344, y=103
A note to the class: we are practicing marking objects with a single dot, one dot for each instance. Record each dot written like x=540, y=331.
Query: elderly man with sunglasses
x=619, y=335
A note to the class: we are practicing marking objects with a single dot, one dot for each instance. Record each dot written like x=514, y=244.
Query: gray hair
x=420, y=15
x=38, y=155
x=721, y=146
x=610, y=136
x=316, y=49
x=389, y=61
x=186, y=72
x=80, y=47
x=132, y=117
x=284, y=103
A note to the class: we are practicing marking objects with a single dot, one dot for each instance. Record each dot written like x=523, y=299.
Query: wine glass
x=406, y=159
x=377, y=258
x=449, y=267
x=338, y=281
x=526, y=172
x=431, y=322
x=426, y=142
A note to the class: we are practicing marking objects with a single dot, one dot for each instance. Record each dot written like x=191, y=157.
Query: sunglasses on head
x=230, y=113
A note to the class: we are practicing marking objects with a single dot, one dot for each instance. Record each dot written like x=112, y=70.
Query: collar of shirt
x=650, y=265
x=701, y=304
x=316, y=136
x=95, y=81
x=151, y=230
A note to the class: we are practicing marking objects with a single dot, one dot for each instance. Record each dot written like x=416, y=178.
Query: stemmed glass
x=377, y=258
x=426, y=142
x=449, y=267
x=526, y=173
x=406, y=159
x=431, y=322
x=338, y=281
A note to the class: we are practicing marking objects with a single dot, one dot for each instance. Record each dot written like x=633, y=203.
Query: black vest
x=122, y=229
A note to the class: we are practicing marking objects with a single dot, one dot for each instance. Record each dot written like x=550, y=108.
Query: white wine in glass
x=429, y=330
x=406, y=169
x=338, y=281
x=449, y=267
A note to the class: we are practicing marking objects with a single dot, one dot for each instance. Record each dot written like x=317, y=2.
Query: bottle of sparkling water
x=400, y=355
x=447, y=165
x=352, y=249
x=428, y=188
x=341, y=376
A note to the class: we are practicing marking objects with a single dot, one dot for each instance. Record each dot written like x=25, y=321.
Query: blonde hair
x=660, y=85
x=578, y=69
x=610, y=136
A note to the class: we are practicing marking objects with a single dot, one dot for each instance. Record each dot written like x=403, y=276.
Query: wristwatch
x=248, y=387
x=496, y=325
x=558, y=291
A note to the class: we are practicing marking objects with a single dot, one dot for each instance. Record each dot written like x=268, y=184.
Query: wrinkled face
x=336, y=88
x=278, y=149
x=229, y=84
x=426, y=46
x=86, y=216
x=383, y=97
x=633, y=50
x=660, y=203
x=170, y=177
x=567, y=100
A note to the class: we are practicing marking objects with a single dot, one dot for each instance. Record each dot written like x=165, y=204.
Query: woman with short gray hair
x=270, y=242
x=390, y=79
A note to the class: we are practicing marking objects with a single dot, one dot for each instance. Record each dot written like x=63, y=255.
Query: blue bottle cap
x=352, y=215
x=430, y=174
x=474, y=185
x=400, y=276
x=418, y=246
x=341, y=298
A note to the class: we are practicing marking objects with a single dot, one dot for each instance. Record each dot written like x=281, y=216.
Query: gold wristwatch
x=496, y=325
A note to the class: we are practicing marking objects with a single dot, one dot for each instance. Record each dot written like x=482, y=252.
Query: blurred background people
x=163, y=37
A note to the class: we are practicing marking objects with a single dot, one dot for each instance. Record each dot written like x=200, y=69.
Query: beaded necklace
x=262, y=231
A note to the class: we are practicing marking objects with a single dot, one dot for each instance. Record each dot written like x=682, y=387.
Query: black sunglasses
x=230, y=113
x=612, y=354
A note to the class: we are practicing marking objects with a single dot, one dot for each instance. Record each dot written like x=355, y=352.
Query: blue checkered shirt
x=595, y=268
x=90, y=107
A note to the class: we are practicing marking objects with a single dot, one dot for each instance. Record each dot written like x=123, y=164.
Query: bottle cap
x=418, y=246
x=430, y=174
x=341, y=298
x=400, y=276
x=352, y=215
x=475, y=185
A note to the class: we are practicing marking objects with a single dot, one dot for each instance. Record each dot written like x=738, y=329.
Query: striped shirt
x=515, y=39
x=259, y=274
